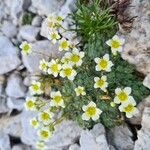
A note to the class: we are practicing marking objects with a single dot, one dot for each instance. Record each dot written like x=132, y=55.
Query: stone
x=3, y=105
x=11, y=125
x=121, y=138
x=9, y=29
x=137, y=46
x=146, y=81
x=4, y=141
x=37, y=20
x=45, y=7
x=41, y=50
x=21, y=147
x=29, y=33
x=143, y=141
x=14, y=103
x=8, y=56
x=15, y=87
x=94, y=139
x=74, y=147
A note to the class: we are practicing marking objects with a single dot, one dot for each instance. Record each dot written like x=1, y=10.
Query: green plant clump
x=27, y=18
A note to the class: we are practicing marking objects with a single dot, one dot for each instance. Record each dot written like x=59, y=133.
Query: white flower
x=34, y=122
x=54, y=36
x=80, y=91
x=35, y=88
x=68, y=71
x=60, y=18
x=51, y=22
x=116, y=44
x=101, y=83
x=129, y=108
x=41, y=145
x=91, y=111
x=122, y=95
x=103, y=63
x=26, y=48
x=64, y=60
x=63, y=44
x=43, y=65
x=54, y=68
x=57, y=99
x=30, y=103
x=45, y=117
x=44, y=134
x=75, y=57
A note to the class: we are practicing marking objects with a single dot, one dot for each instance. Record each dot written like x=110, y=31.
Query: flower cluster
x=66, y=68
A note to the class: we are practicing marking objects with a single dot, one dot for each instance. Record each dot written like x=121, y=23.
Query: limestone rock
x=94, y=139
x=121, y=138
x=3, y=105
x=146, y=81
x=74, y=147
x=15, y=87
x=4, y=141
x=29, y=33
x=21, y=147
x=143, y=141
x=9, y=29
x=8, y=56
x=37, y=20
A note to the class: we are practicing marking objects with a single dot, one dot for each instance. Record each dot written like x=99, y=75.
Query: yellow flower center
x=122, y=96
x=51, y=24
x=129, y=108
x=34, y=122
x=54, y=68
x=75, y=58
x=44, y=134
x=44, y=65
x=100, y=83
x=30, y=104
x=80, y=91
x=59, y=18
x=103, y=63
x=115, y=44
x=45, y=116
x=35, y=87
x=67, y=71
x=91, y=111
x=54, y=36
x=64, y=44
x=57, y=99
x=26, y=47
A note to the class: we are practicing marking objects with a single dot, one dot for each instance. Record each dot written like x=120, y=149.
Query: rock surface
x=146, y=81
x=15, y=87
x=8, y=56
x=4, y=141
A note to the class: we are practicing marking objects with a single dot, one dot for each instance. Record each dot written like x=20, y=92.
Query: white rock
x=15, y=87
x=143, y=141
x=42, y=50
x=74, y=147
x=45, y=7
x=4, y=141
x=21, y=147
x=146, y=81
x=9, y=59
x=11, y=125
x=9, y=29
x=94, y=139
x=37, y=20
x=121, y=138
x=17, y=104
x=3, y=105
x=29, y=33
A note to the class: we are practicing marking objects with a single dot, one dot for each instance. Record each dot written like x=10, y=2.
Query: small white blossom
x=54, y=36
x=43, y=65
x=63, y=44
x=26, y=48
x=80, y=91
x=30, y=103
x=35, y=88
x=44, y=134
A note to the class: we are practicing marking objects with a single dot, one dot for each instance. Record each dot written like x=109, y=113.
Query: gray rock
x=121, y=138
x=9, y=59
x=17, y=104
x=4, y=141
x=137, y=46
x=37, y=20
x=41, y=50
x=11, y=125
x=74, y=147
x=9, y=29
x=29, y=33
x=46, y=7
x=143, y=142
x=94, y=139
x=21, y=147
x=15, y=87
x=3, y=105
x=146, y=81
